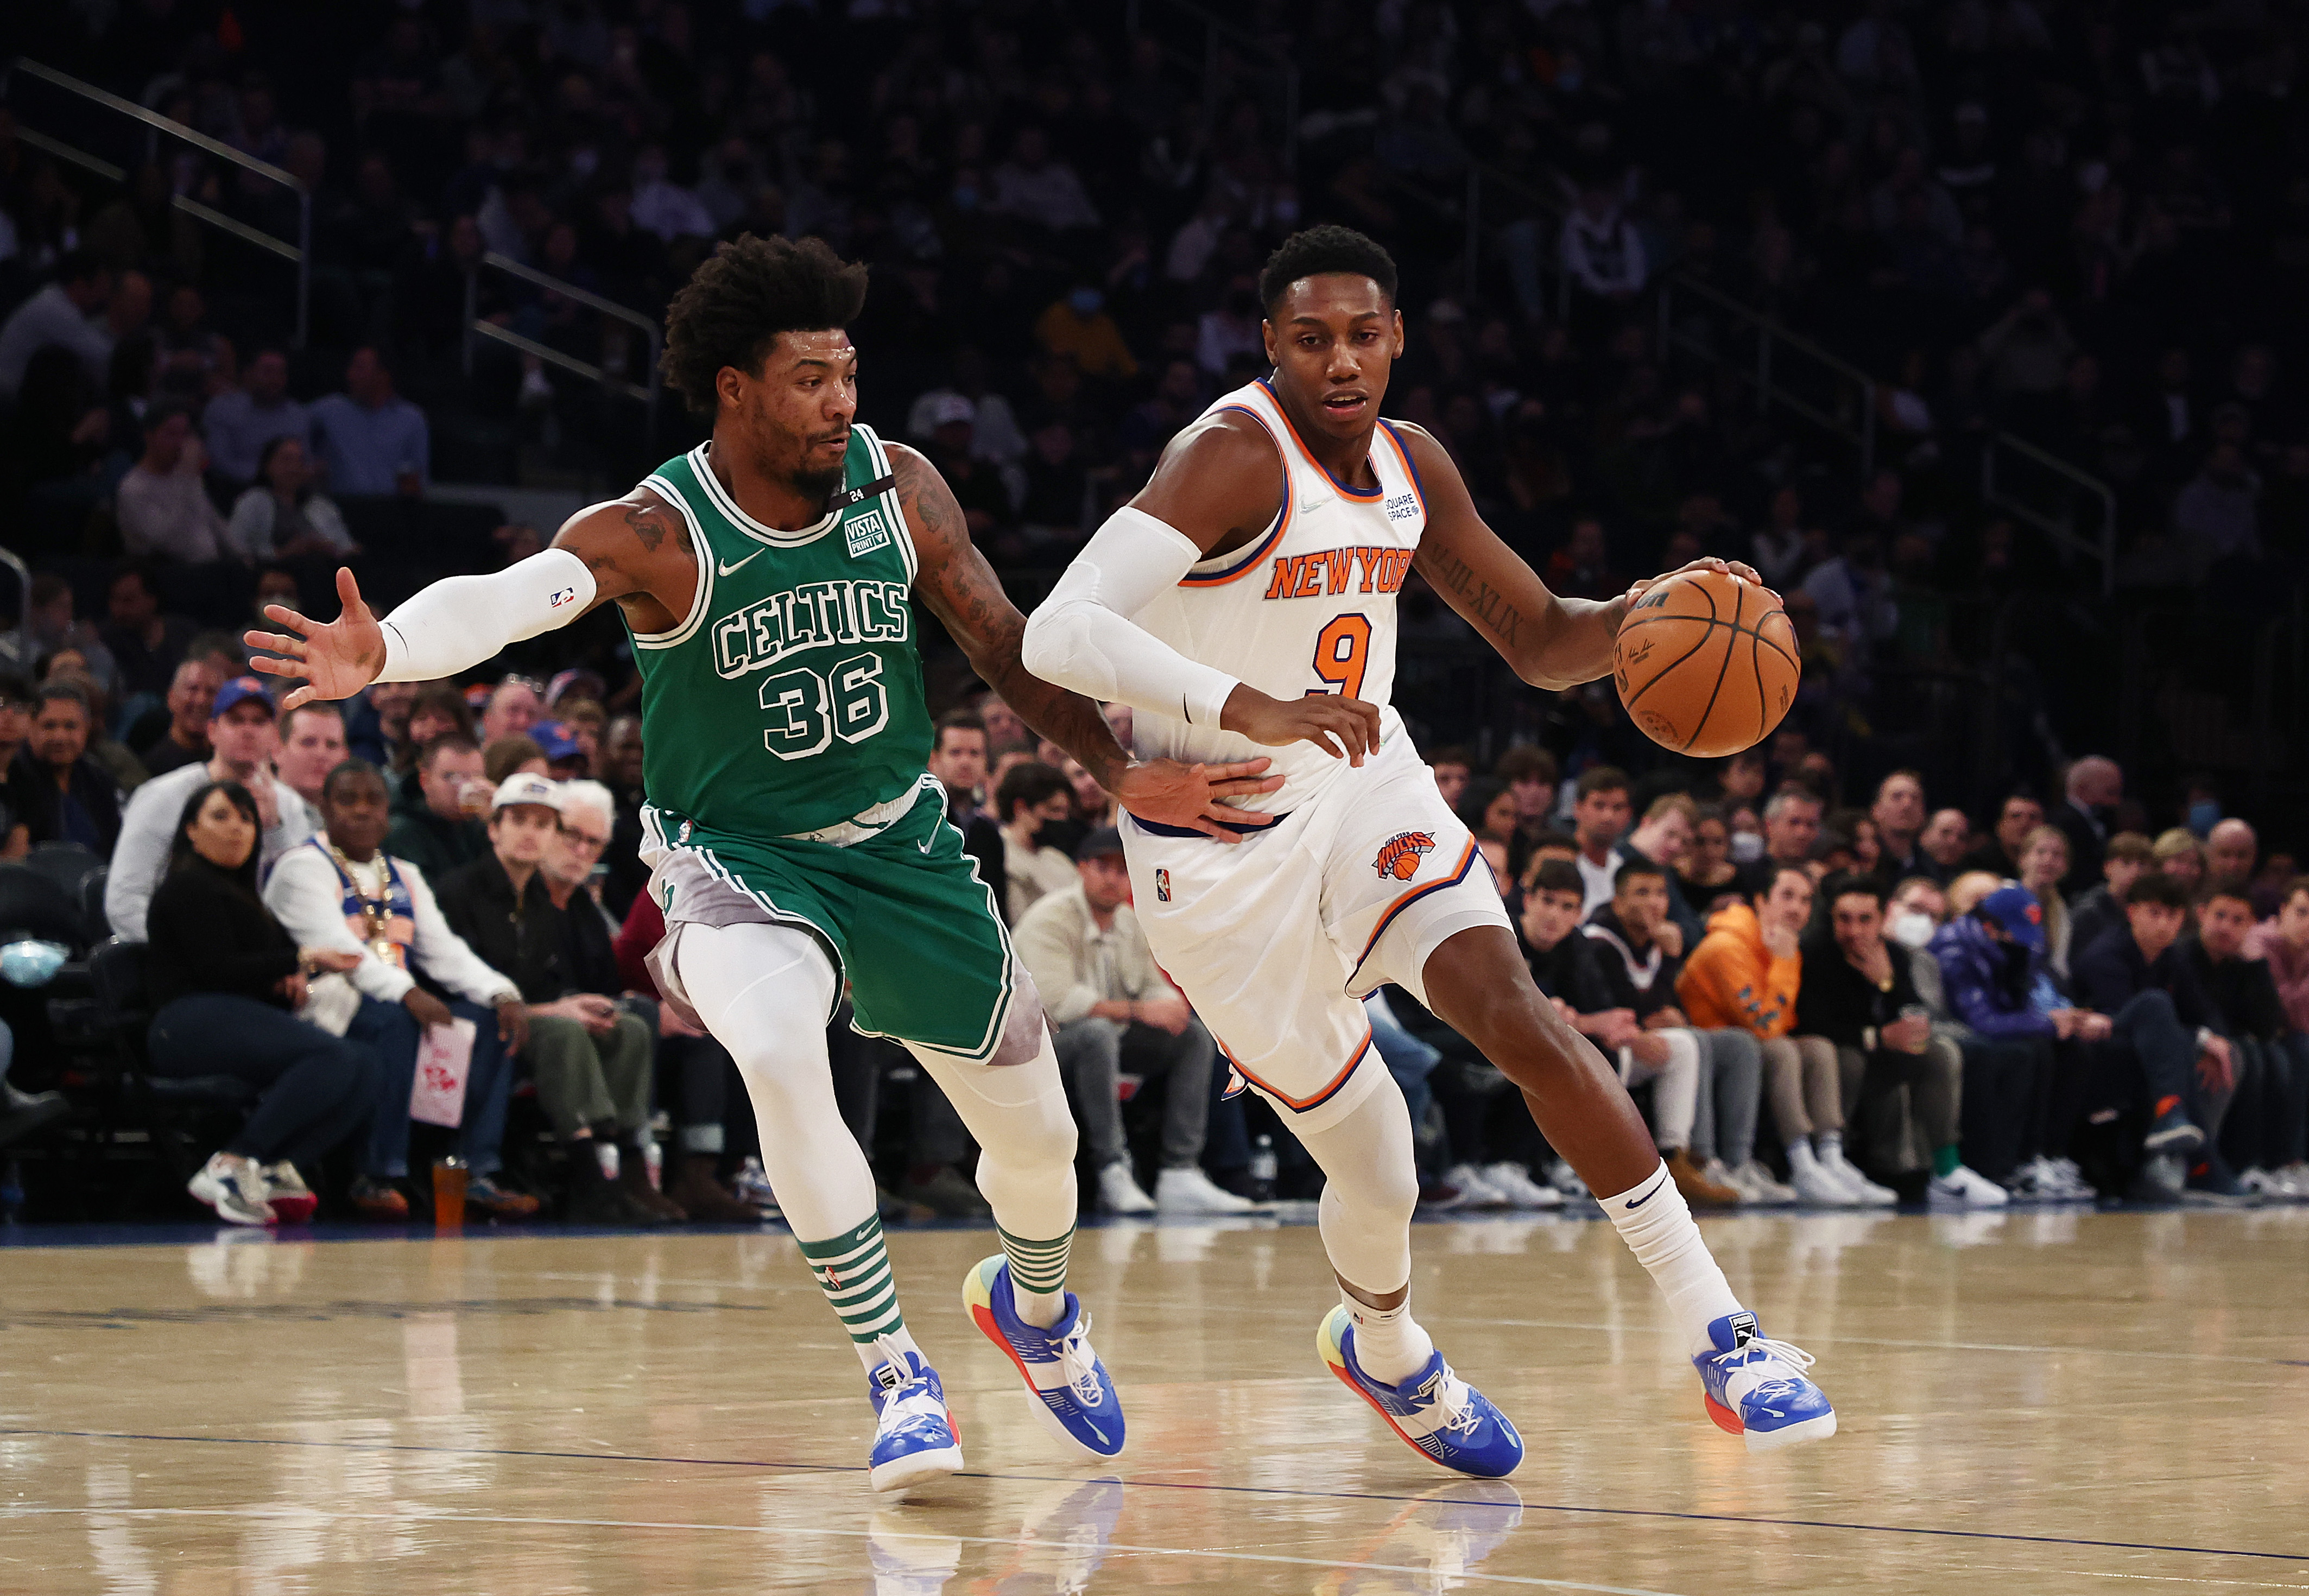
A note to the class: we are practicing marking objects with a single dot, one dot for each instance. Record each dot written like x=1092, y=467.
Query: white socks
x=873, y=1355
x=1389, y=1344
x=1653, y=1221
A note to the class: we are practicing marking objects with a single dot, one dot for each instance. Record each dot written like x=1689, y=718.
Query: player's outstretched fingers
x=271, y=666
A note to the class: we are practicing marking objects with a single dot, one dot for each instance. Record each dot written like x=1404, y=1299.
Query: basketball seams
x=1740, y=606
x=1704, y=618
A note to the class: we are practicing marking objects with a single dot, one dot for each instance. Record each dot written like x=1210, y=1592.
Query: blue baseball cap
x=2016, y=909
x=236, y=692
x=553, y=736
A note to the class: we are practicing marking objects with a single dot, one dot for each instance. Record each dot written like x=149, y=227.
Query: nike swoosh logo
x=722, y=570
x=1647, y=1197
x=1307, y=504
x=926, y=843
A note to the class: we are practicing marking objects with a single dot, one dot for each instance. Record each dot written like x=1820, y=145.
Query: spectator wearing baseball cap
x=565, y=755
x=591, y=1057
x=1106, y=1000
x=245, y=744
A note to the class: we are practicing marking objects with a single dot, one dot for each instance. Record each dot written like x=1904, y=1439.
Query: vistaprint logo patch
x=866, y=533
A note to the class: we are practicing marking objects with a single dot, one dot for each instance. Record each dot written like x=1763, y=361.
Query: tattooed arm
x=1553, y=642
x=961, y=590
x=635, y=550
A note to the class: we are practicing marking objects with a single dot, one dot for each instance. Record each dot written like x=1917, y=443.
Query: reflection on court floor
x=2031, y=1402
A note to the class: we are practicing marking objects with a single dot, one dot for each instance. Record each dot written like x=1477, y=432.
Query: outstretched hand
x=336, y=658
x=1739, y=568
x=1170, y=793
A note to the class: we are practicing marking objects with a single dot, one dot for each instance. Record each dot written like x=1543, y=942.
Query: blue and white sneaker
x=1756, y=1388
x=1074, y=1400
x=1448, y=1420
x=915, y=1436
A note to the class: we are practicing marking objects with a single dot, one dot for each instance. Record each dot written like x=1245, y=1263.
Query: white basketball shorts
x=1276, y=939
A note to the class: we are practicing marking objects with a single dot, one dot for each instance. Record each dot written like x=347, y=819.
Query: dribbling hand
x=336, y=658
x=1739, y=568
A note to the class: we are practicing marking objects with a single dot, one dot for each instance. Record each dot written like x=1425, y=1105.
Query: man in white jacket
x=341, y=890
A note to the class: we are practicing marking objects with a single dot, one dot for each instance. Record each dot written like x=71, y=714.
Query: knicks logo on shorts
x=1161, y=886
x=1400, y=854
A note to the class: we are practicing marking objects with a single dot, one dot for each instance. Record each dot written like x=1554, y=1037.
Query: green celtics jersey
x=789, y=697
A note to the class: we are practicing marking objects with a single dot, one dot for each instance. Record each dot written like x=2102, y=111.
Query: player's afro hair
x=1325, y=248
x=735, y=306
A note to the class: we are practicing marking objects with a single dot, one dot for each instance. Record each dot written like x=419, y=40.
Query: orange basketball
x=1706, y=663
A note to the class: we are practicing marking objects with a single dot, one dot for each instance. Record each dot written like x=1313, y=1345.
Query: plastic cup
x=449, y=1194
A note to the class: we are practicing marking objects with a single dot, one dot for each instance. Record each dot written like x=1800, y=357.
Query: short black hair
x=1629, y=868
x=1031, y=783
x=2154, y=886
x=957, y=721
x=1601, y=778
x=736, y=303
x=1314, y=251
x=1853, y=886
x=1554, y=876
x=349, y=770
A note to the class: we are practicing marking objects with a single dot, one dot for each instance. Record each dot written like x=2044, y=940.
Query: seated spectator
x=1035, y=188
x=1106, y=999
x=2123, y=859
x=702, y=1071
x=1859, y=991
x=445, y=831
x=1639, y=954
x=1705, y=875
x=438, y=709
x=591, y=1059
x=1792, y=827
x=2043, y=866
x=281, y=517
x=1489, y=811
x=1946, y=839
x=2263, y=1139
x=1970, y=886
x=1898, y=813
x=340, y=891
x=225, y=978
x=246, y=741
x=372, y=441
x=64, y=313
x=16, y=707
x=511, y=756
x=57, y=793
x=191, y=696
x=1599, y=819
x=514, y=706
x=242, y=424
x=1998, y=852
x=2232, y=847
x=1453, y=768
x=1662, y=837
x=1747, y=971
x=146, y=645
x=2022, y=1097
x=51, y=626
x=2165, y=1034
x=376, y=729
x=2177, y=853
x=162, y=507
x=2283, y=940
x=1602, y=252
x=621, y=774
x=1031, y=797
x=312, y=746
x=2089, y=796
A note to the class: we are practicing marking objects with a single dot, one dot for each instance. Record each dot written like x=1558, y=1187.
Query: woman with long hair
x=226, y=980
x=281, y=517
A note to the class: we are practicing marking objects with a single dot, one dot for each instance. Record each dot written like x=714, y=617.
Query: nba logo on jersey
x=866, y=533
x=1162, y=886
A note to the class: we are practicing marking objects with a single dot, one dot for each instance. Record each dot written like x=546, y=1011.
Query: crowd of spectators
x=2077, y=223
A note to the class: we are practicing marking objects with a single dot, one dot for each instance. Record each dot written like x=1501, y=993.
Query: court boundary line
x=1256, y=1490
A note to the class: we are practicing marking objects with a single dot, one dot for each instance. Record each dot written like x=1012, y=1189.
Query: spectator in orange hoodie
x=1745, y=973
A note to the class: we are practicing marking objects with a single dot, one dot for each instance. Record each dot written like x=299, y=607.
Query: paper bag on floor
x=443, y=1059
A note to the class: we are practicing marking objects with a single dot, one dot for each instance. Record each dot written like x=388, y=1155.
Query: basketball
x=1706, y=663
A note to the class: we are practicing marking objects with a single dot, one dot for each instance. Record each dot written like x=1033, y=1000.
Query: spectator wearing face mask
x=1080, y=328
x=2263, y=1135
x=2022, y=1097
x=245, y=743
x=1030, y=798
x=340, y=890
x=57, y=791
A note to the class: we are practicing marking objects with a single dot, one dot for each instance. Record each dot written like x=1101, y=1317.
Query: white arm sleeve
x=456, y=624
x=1082, y=639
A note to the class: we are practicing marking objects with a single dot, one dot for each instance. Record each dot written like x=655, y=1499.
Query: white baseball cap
x=527, y=787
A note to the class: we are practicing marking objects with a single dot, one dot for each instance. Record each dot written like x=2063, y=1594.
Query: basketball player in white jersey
x=1245, y=601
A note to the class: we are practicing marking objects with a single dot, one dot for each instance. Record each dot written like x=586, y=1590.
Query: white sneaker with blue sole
x=1435, y=1411
x=1073, y=1398
x=1756, y=1388
x=915, y=1434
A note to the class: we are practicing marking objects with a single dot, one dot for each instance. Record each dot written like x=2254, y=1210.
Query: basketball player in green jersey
x=795, y=840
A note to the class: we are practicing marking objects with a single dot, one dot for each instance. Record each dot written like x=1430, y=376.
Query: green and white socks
x=1038, y=1276
x=854, y=1270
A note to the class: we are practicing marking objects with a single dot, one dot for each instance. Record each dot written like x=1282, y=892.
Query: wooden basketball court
x=2047, y=1401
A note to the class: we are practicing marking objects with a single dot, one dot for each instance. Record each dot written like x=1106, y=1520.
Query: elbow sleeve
x=1082, y=639
x=454, y=625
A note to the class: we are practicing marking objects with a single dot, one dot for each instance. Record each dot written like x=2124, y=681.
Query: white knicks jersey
x=1307, y=606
